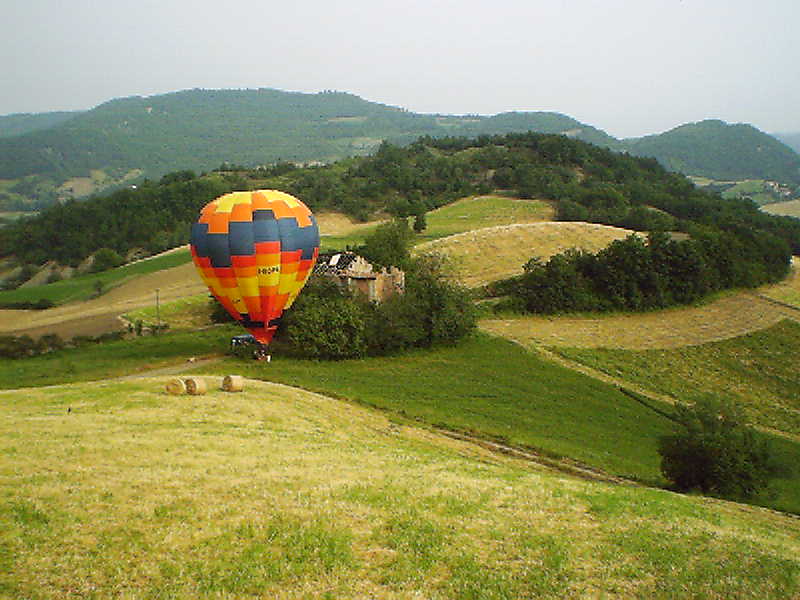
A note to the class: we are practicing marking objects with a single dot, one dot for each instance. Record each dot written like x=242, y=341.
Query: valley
x=521, y=461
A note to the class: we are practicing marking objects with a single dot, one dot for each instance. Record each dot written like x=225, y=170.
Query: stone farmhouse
x=355, y=273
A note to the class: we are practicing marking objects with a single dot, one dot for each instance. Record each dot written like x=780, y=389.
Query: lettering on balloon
x=268, y=270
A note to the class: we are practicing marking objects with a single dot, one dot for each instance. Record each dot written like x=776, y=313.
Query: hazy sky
x=630, y=67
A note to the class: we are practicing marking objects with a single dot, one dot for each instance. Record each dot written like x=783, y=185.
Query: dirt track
x=101, y=315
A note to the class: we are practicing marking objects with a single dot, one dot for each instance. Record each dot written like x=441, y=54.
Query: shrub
x=325, y=322
x=104, y=259
x=716, y=453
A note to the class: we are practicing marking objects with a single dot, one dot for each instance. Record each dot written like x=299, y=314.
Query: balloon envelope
x=255, y=251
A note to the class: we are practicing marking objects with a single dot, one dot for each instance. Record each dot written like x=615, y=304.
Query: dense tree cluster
x=716, y=452
x=327, y=321
x=156, y=216
x=639, y=274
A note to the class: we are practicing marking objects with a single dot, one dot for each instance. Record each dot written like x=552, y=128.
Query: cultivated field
x=339, y=224
x=788, y=290
x=789, y=209
x=479, y=212
x=116, y=489
x=101, y=314
x=758, y=370
x=729, y=316
x=484, y=255
x=466, y=214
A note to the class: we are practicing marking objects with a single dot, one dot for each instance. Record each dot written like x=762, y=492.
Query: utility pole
x=158, y=314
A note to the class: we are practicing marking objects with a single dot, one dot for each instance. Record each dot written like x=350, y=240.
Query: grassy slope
x=83, y=286
x=485, y=255
x=790, y=208
x=462, y=215
x=275, y=492
x=758, y=370
x=113, y=359
x=492, y=387
x=478, y=212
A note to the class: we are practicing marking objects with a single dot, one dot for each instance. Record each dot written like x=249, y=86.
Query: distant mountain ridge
x=200, y=129
x=22, y=123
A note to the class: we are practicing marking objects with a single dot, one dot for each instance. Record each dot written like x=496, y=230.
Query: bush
x=104, y=259
x=717, y=452
x=325, y=322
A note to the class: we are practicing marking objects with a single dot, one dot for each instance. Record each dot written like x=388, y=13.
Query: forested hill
x=721, y=151
x=200, y=129
x=126, y=140
x=588, y=183
x=22, y=123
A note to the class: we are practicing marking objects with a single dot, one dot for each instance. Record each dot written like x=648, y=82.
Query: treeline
x=156, y=216
x=590, y=184
x=643, y=274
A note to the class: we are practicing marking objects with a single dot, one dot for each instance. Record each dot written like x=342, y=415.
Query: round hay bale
x=233, y=383
x=176, y=387
x=196, y=386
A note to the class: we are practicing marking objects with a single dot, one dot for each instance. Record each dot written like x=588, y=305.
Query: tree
x=389, y=245
x=443, y=308
x=717, y=452
x=324, y=322
x=104, y=259
x=420, y=223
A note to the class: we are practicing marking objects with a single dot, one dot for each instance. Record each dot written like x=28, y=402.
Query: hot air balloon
x=255, y=251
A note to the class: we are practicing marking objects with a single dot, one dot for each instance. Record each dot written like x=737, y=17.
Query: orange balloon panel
x=255, y=251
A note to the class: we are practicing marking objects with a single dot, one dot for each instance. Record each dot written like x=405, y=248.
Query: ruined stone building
x=355, y=273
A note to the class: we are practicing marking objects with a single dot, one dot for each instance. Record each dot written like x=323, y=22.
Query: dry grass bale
x=233, y=383
x=176, y=387
x=196, y=386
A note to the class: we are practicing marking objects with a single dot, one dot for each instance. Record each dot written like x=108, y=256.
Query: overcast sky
x=630, y=67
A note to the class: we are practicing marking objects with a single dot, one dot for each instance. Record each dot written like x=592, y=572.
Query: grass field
x=191, y=312
x=788, y=290
x=729, y=315
x=484, y=255
x=114, y=359
x=480, y=212
x=492, y=387
x=83, y=287
x=462, y=215
x=116, y=490
x=758, y=370
x=788, y=209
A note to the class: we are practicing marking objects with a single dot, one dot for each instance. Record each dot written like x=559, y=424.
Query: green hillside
x=721, y=151
x=22, y=123
x=116, y=489
x=200, y=129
